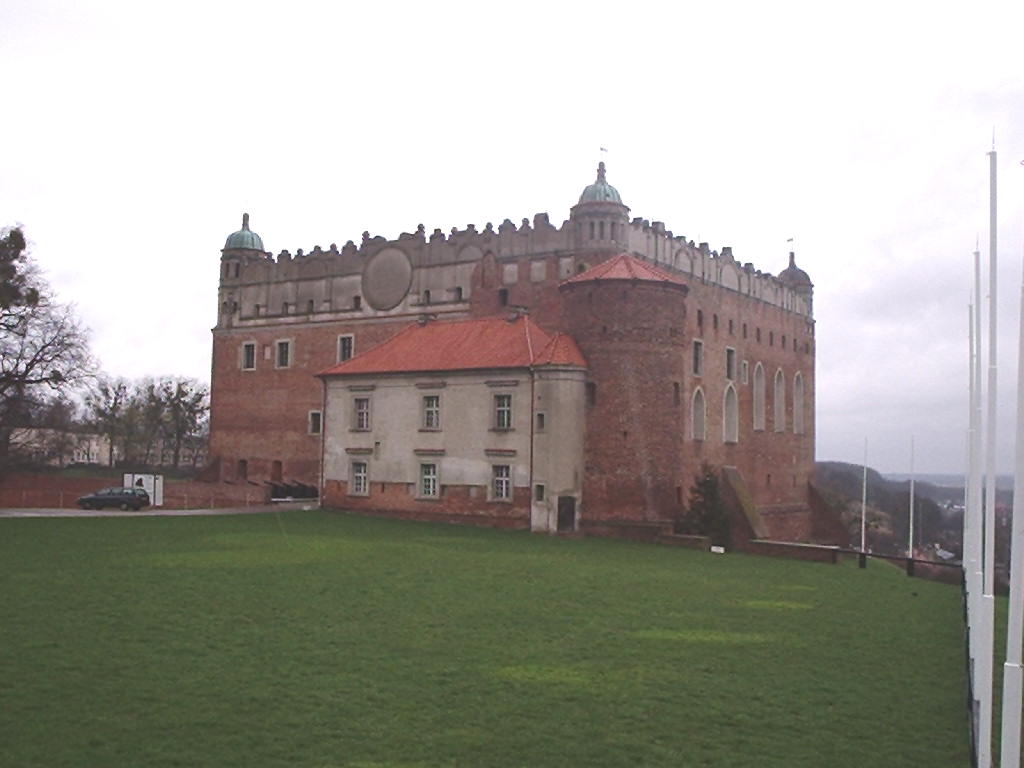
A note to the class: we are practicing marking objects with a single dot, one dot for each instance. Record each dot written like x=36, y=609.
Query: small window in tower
x=700, y=318
x=771, y=338
x=426, y=297
x=744, y=330
x=309, y=307
x=591, y=230
x=614, y=232
x=237, y=267
x=503, y=297
x=675, y=393
x=538, y=492
x=284, y=354
x=757, y=335
x=357, y=302
x=730, y=363
x=698, y=358
x=541, y=421
x=601, y=230
x=783, y=341
x=458, y=293
x=730, y=328
x=315, y=422
x=249, y=356
x=714, y=321
x=346, y=346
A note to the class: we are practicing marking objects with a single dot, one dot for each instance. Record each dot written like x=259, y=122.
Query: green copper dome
x=600, y=191
x=244, y=238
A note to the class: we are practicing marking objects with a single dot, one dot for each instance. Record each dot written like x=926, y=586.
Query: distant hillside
x=888, y=509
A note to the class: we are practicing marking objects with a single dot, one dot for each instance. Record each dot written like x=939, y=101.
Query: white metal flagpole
x=988, y=556
x=864, y=506
x=910, y=542
x=1012, y=674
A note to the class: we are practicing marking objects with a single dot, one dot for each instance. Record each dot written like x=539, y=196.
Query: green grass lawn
x=319, y=639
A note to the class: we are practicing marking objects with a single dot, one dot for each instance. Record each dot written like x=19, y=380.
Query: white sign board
x=154, y=485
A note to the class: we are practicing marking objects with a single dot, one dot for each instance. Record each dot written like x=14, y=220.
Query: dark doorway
x=566, y=513
x=242, y=473
x=275, y=472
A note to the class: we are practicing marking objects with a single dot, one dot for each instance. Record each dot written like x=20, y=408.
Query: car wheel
x=125, y=506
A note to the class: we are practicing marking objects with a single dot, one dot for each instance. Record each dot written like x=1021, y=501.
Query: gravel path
x=158, y=512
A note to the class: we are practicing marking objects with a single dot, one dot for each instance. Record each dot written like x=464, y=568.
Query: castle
x=541, y=376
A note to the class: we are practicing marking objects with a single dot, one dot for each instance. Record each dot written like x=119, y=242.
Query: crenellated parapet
x=404, y=274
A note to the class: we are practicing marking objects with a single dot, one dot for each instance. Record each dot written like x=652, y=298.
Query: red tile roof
x=494, y=342
x=625, y=267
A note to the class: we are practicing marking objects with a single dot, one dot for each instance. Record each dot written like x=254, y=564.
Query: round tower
x=599, y=218
x=796, y=279
x=628, y=318
x=239, y=246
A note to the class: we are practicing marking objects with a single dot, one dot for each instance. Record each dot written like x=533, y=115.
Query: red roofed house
x=540, y=376
x=469, y=419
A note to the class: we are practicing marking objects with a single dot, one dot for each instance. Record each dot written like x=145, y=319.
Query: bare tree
x=43, y=345
x=107, y=405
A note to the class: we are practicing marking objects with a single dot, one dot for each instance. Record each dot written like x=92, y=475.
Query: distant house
x=58, y=447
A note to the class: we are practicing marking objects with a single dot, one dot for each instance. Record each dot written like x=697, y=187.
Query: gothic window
x=798, y=404
x=730, y=416
x=758, y=398
x=780, y=401
x=698, y=414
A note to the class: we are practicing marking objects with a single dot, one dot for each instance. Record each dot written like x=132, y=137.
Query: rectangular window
x=249, y=356
x=745, y=369
x=346, y=347
x=428, y=480
x=503, y=411
x=698, y=358
x=501, y=485
x=538, y=492
x=431, y=411
x=284, y=354
x=730, y=363
x=541, y=421
x=315, y=422
x=360, y=479
x=362, y=414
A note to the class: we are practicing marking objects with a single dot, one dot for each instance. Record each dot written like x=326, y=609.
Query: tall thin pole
x=910, y=542
x=864, y=501
x=988, y=556
x=1013, y=679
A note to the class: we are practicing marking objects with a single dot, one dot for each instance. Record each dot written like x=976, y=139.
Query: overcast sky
x=135, y=135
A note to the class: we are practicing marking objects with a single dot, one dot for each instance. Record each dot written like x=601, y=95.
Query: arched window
x=698, y=414
x=759, y=398
x=798, y=404
x=731, y=416
x=780, y=401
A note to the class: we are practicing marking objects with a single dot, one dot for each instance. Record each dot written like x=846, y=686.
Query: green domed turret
x=795, y=277
x=600, y=191
x=244, y=238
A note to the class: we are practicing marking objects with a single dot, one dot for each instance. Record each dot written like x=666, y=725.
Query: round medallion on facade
x=386, y=278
